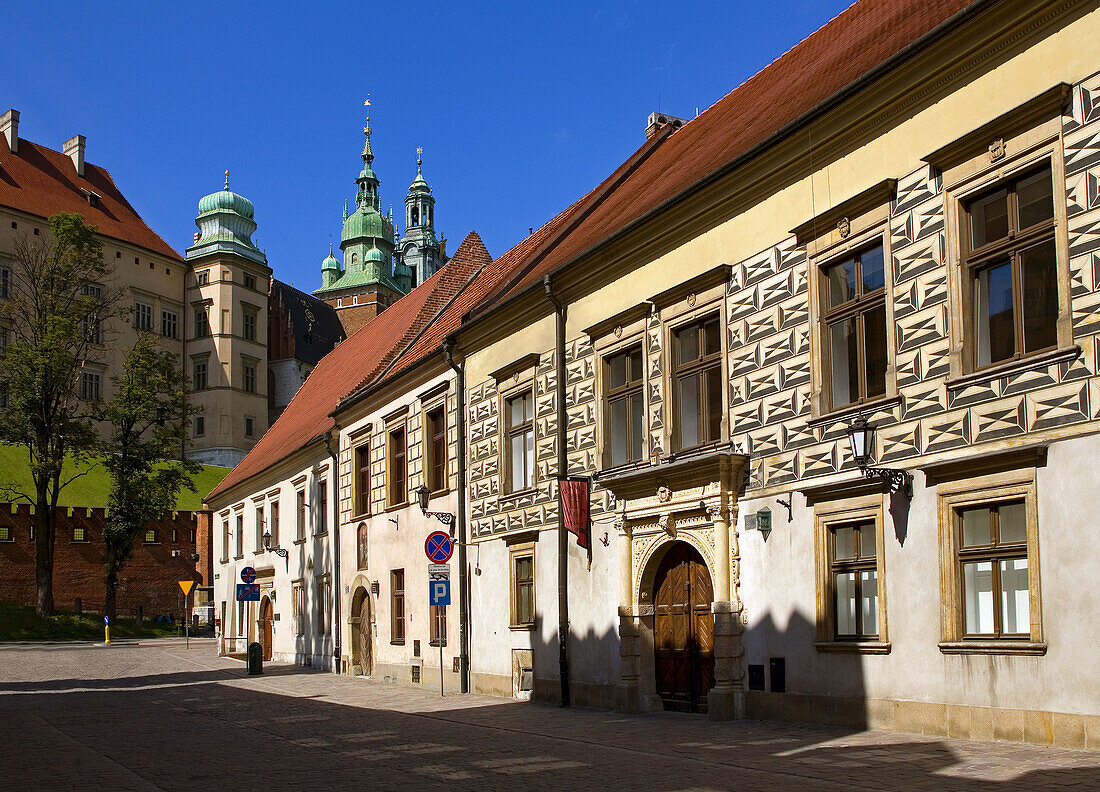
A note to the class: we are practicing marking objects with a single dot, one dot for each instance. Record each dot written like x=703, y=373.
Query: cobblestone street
x=153, y=716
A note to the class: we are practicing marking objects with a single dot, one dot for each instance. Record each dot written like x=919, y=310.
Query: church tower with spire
x=418, y=249
x=366, y=283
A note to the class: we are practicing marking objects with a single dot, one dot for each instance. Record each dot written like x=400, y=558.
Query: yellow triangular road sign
x=187, y=585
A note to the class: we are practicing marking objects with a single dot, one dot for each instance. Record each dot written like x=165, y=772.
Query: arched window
x=354, y=257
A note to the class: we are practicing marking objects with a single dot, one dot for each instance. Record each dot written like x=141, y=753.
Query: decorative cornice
x=700, y=283
x=1033, y=456
x=528, y=361
x=826, y=221
x=678, y=474
x=629, y=316
x=1046, y=105
x=843, y=490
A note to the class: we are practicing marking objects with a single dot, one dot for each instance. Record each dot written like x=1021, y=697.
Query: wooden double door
x=683, y=630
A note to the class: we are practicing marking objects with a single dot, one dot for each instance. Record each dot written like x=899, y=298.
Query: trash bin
x=255, y=658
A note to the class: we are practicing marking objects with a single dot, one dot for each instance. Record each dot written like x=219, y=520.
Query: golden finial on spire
x=227, y=179
x=419, y=155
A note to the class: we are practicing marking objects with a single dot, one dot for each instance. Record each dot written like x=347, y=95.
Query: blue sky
x=520, y=108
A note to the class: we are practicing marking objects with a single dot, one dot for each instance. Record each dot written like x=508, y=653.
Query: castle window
x=143, y=316
x=249, y=281
x=169, y=324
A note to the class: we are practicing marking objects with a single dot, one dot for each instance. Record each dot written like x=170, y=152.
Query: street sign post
x=186, y=586
x=248, y=592
x=439, y=596
x=438, y=547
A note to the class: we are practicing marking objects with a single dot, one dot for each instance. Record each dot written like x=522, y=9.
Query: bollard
x=255, y=657
x=106, y=630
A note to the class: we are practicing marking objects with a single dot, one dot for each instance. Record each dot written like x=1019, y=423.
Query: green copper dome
x=226, y=224
x=366, y=222
x=226, y=201
x=374, y=254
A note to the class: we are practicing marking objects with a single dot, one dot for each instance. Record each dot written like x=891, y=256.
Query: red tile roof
x=848, y=47
x=41, y=181
x=362, y=356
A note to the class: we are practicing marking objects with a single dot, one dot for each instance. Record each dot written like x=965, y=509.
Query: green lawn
x=21, y=623
x=90, y=490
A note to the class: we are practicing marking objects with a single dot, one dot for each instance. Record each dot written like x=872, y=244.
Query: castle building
x=379, y=267
x=247, y=341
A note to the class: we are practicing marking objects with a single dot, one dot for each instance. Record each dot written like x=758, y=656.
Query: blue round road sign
x=248, y=575
x=438, y=547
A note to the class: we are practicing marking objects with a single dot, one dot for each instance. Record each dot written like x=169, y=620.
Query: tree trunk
x=43, y=551
x=110, y=599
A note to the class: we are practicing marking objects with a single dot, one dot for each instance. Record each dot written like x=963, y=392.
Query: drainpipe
x=563, y=469
x=460, y=442
x=334, y=498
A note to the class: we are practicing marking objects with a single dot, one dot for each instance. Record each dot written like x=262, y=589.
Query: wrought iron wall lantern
x=279, y=551
x=422, y=496
x=861, y=439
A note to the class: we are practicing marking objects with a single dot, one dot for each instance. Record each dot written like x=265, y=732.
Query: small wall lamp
x=279, y=551
x=423, y=495
x=861, y=439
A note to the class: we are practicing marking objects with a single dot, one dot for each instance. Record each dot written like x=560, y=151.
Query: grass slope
x=21, y=623
x=91, y=490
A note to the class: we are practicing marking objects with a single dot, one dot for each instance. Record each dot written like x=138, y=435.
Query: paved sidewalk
x=152, y=715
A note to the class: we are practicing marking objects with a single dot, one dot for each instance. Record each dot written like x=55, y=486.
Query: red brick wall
x=149, y=579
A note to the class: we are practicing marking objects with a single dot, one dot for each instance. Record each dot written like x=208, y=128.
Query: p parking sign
x=439, y=592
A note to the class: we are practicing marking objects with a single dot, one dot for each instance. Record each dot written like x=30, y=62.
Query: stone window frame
x=80, y=535
x=275, y=517
x=1018, y=484
x=7, y=533
x=301, y=510
x=225, y=537
x=361, y=477
x=202, y=359
x=844, y=230
x=512, y=381
x=169, y=320
x=516, y=552
x=150, y=537
x=260, y=514
x=432, y=405
x=200, y=315
x=238, y=526
x=394, y=425
x=397, y=595
x=199, y=426
x=827, y=515
x=323, y=586
x=321, y=495
x=1011, y=144
x=144, y=307
x=250, y=363
x=298, y=604
x=610, y=337
x=683, y=305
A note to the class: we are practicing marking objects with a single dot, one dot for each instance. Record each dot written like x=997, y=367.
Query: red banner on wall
x=573, y=496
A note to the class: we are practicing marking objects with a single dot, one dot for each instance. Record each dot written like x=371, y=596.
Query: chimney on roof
x=9, y=125
x=658, y=120
x=74, y=149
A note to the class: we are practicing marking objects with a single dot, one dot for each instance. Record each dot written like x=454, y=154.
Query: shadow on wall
x=778, y=663
x=298, y=738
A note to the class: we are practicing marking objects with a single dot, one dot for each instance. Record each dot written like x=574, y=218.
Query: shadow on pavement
x=215, y=729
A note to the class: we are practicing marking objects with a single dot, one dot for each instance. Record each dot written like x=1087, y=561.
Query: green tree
x=56, y=305
x=143, y=452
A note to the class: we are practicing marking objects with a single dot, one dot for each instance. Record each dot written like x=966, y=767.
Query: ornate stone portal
x=691, y=499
